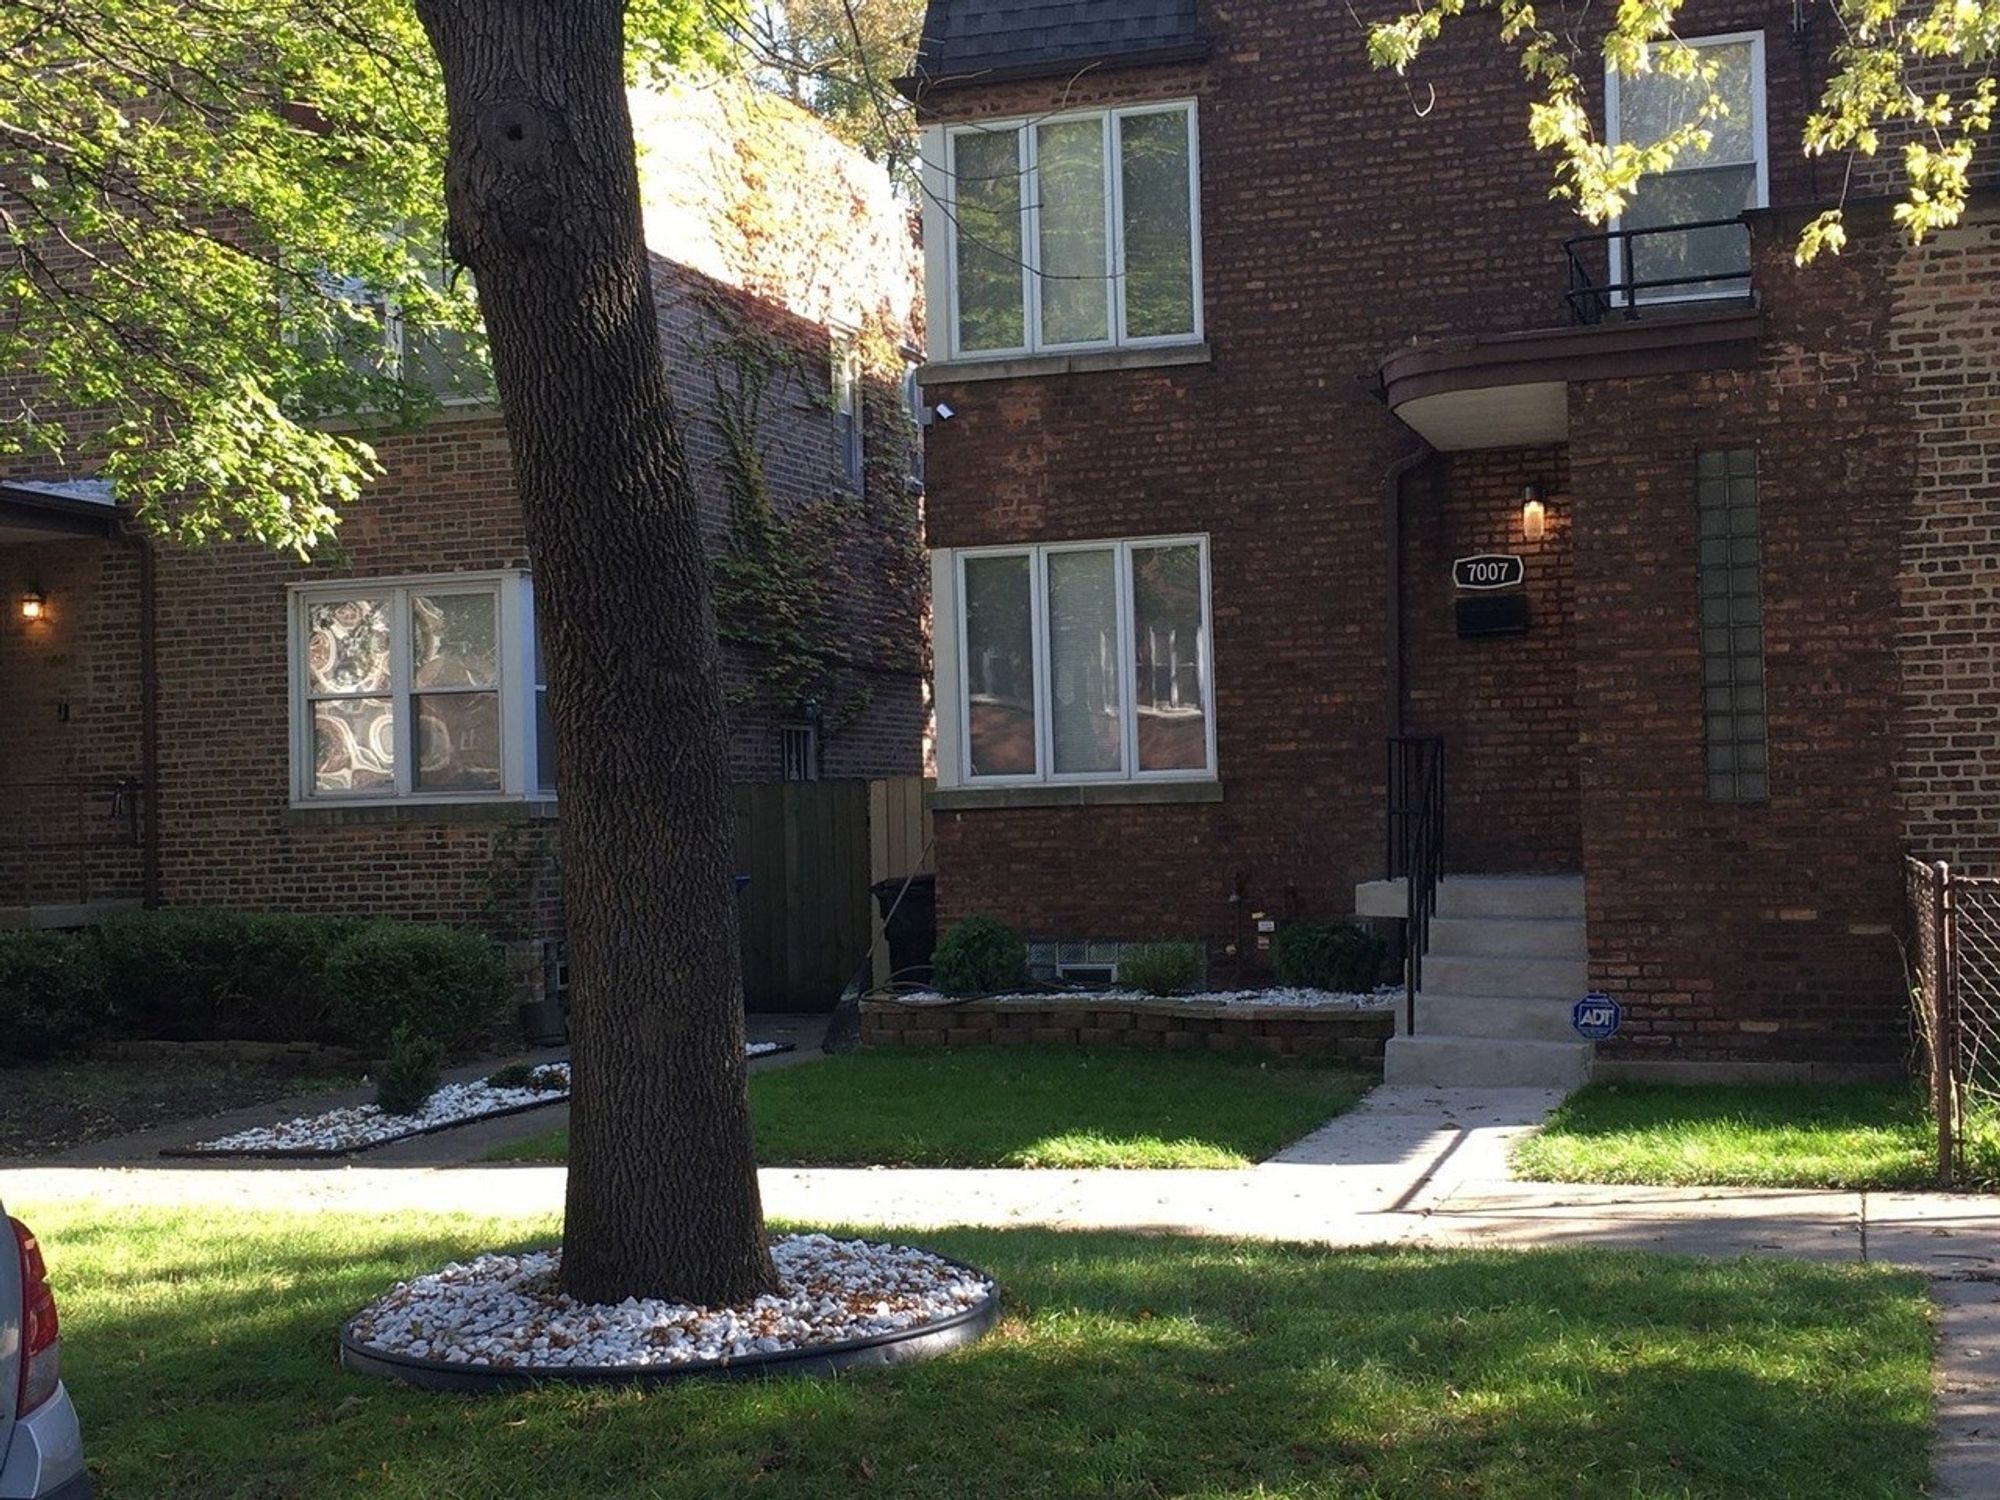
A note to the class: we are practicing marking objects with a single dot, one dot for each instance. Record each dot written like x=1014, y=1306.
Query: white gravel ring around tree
x=1290, y=998
x=507, y=1313
x=356, y=1127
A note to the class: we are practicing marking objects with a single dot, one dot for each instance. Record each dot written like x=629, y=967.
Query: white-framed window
x=847, y=413
x=1076, y=662
x=414, y=688
x=913, y=411
x=375, y=342
x=1069, y=231
x=1721, y=182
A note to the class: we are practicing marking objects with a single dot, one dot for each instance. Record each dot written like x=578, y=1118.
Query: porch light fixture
x=33, y=605
x=1534, y=514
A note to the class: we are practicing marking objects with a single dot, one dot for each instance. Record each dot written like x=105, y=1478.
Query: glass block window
x=1734, y=726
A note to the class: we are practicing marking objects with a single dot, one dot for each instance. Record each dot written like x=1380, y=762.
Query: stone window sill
x=965, y=371
x=1092, y=794
x=513, y=810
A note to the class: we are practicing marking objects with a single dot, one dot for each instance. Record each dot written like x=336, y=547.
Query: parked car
x=41, y=1447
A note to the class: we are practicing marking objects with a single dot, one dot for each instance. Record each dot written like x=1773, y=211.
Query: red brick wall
x=1506, y=706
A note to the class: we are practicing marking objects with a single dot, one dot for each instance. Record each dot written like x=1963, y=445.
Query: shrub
x=514, y=1076
x=199, y=975
x=410, y=1076
x=979, y=956
x=1327, y=956
x=52, y=996
x=442, y=982
x=1159, y=968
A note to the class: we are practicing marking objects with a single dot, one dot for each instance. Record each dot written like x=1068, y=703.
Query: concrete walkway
x=1409, y=1165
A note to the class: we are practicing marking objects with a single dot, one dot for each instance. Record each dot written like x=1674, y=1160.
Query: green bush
x=1327, y=956
x=979, y=956
x=192, y=974
x=516, y=1075
x=1159, y=968
x=410, y=1076
x=52, y=997
x=442, y=982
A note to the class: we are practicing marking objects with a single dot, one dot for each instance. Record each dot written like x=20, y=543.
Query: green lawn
x=1027, y=1107
x=198, y=1346
x=1793, y=1135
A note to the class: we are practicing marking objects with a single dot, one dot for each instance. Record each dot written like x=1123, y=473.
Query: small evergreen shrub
x=1159, y=968
x=979, y=956
x=410, y=1076
x=514, y=1076
x=52, y=997
x=1327, y=956
x=442, y=982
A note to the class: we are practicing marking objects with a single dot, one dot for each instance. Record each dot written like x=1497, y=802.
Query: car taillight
x=41, y=1336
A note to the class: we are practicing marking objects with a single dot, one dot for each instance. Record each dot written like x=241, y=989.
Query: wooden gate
x=805, y=914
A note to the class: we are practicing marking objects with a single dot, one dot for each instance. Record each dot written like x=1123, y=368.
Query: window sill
x=1023, y=366
x=351, y=814
x=1087, y=794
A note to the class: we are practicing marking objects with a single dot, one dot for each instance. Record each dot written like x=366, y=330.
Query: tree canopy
x=1916, y=77
x=225, y=255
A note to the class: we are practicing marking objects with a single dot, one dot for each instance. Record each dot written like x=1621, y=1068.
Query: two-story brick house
x=366, y=733
x=1288, y=422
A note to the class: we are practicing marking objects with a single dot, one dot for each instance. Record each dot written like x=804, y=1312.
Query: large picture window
x=414, y=688
x=1085, y=662
x=1703, y=186
x=1074, y=231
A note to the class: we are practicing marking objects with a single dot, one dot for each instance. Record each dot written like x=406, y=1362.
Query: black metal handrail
x=1589, y=300
x=1416, y=849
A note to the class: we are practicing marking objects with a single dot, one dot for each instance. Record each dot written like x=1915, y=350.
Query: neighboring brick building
x=361, y=734
x=1202, y=280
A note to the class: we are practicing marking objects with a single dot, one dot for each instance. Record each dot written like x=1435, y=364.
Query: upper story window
x=1079, y=662
x=1074, y=231
x=847, y=425
x=1703, y=187
x=373, y=340
x=421, y=689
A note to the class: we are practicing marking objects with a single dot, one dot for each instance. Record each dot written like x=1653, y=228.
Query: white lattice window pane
x=999, y=666
x=454, y=640
x=987, y=194
x=458, y=742
x=1075, y=290
x=1169, y=646
x=347, y=646
x=354, y=745
x=1085, y=717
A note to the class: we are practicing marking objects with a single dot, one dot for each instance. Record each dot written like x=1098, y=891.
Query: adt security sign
x=1595, y=1017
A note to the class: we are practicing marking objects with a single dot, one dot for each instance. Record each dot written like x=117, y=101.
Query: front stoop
x=1507, y=960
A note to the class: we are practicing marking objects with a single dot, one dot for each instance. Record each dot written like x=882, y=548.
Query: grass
x=198, y=1347
x=1027, y=1107
x=50, y=1107
x=1851, y=1136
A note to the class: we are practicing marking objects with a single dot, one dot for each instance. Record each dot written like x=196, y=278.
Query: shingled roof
x=977, y=41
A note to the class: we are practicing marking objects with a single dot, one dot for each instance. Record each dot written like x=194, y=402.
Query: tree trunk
x=543, y=198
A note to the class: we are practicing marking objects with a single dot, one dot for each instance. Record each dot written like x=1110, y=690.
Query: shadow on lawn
x=1125, y=1366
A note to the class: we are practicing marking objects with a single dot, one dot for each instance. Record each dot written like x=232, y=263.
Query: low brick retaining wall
x=1170, y=1025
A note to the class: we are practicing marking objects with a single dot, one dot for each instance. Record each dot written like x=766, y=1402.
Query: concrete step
x=1508, y=937
x=1485, y=1062
x=1521, y=978
x=1506, y=1016
x=1511, y=896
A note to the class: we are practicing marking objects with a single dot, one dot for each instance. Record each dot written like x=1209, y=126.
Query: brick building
x=1250, y=361
x=365, y=733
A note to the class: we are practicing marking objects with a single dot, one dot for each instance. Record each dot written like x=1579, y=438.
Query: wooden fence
x=811, y=850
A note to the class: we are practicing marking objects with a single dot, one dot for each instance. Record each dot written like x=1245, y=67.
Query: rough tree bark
x=543, y=197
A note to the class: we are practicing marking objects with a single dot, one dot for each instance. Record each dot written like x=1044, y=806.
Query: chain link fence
x=1954, y=957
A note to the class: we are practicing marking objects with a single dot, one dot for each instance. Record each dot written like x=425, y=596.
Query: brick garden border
x=1356, y=1036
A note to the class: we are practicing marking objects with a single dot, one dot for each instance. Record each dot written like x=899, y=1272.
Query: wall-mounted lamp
x=33, y=605
x=1534, y=514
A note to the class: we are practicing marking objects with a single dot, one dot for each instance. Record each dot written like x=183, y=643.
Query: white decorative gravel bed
x=1291, y=999
x=506, y=1311
x=356, y=1127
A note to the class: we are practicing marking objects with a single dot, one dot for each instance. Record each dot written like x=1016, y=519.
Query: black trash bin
x=910, y=925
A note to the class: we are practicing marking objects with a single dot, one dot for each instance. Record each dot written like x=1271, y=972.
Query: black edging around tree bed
x=876, y=1351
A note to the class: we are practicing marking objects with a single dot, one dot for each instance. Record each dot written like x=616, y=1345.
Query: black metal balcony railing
x=1590, y=299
